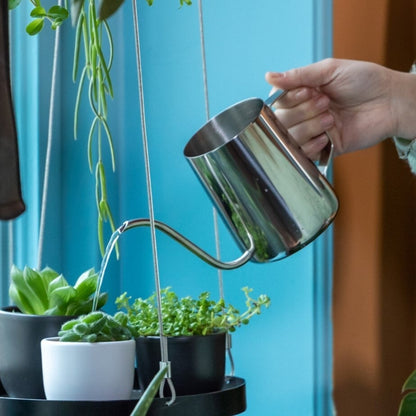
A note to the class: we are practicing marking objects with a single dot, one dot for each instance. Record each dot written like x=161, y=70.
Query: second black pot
x=197, y=362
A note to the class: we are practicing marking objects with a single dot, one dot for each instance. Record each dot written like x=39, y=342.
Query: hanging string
x=207, y=114
x=228, y=344
x=48, y=148
x=163, y=339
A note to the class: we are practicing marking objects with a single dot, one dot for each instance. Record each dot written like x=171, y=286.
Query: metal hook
x=168, y=376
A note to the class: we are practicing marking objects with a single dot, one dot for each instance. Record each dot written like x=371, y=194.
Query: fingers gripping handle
x=326, y=153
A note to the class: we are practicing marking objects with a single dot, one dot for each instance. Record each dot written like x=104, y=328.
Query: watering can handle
x=326, y=153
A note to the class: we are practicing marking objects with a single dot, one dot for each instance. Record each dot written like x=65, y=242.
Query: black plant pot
x=197, y=362
x=20, y=356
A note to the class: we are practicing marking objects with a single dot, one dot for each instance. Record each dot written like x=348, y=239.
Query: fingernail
x=322, y=102
x=301, y=94
x=327, y=121
x=275, y=75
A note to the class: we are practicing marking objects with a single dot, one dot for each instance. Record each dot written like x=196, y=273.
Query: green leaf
x=48, y=276
x=98, y=325
x=81, y=329
x=38, y=12
x=408, y=405
x=62, y=296
x=108, y=8
x=56, y=283
x=34, y=27
x=68, y=336
x=38, y=295
x=410, y=383
x=20, y=300
x=91, y=338
x=58, y=12
x=148, y=395
x=92, y=317
x=86, y=284
x=66, y=326
x=13, y=4
x=55, y=311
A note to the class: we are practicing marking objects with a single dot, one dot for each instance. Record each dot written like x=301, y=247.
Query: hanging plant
x=94, y=80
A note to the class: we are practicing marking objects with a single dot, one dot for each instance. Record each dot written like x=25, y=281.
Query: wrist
x=404, y=105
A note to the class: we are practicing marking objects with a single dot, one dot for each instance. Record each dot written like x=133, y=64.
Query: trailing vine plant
x=94, y=80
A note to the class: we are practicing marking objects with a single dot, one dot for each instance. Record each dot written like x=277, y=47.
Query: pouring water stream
x=109, y=249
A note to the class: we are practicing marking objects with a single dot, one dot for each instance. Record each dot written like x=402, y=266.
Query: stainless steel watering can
x=272, y=197
x=261, y=181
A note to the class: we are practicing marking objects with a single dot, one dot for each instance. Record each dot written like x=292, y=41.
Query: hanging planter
x=196, y=332
x=197, y=362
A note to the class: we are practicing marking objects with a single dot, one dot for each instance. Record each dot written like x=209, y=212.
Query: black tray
x=230, y=400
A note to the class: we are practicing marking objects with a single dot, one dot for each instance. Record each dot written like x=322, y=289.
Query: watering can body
x=261, y=181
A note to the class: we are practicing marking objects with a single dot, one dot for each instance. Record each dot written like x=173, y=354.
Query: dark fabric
x=11, y=203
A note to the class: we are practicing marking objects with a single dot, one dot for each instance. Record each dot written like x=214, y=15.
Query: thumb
x=314, y=75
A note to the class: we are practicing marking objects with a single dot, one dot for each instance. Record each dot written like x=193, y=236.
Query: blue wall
x=284, y=354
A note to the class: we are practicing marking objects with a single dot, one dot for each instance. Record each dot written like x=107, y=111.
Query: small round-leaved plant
x=186, y=316
x=94, y=327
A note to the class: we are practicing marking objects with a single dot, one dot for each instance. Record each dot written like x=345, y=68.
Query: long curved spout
x=207, y=258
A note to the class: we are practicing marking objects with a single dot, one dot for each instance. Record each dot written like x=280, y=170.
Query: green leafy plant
x=95, y=326
x=408, y=403
x=186, y=316
x=47, y=292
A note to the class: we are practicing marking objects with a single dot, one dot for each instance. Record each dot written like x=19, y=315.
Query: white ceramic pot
x=88, y=371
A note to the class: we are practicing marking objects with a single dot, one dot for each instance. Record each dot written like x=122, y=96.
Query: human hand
x=356, y=102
